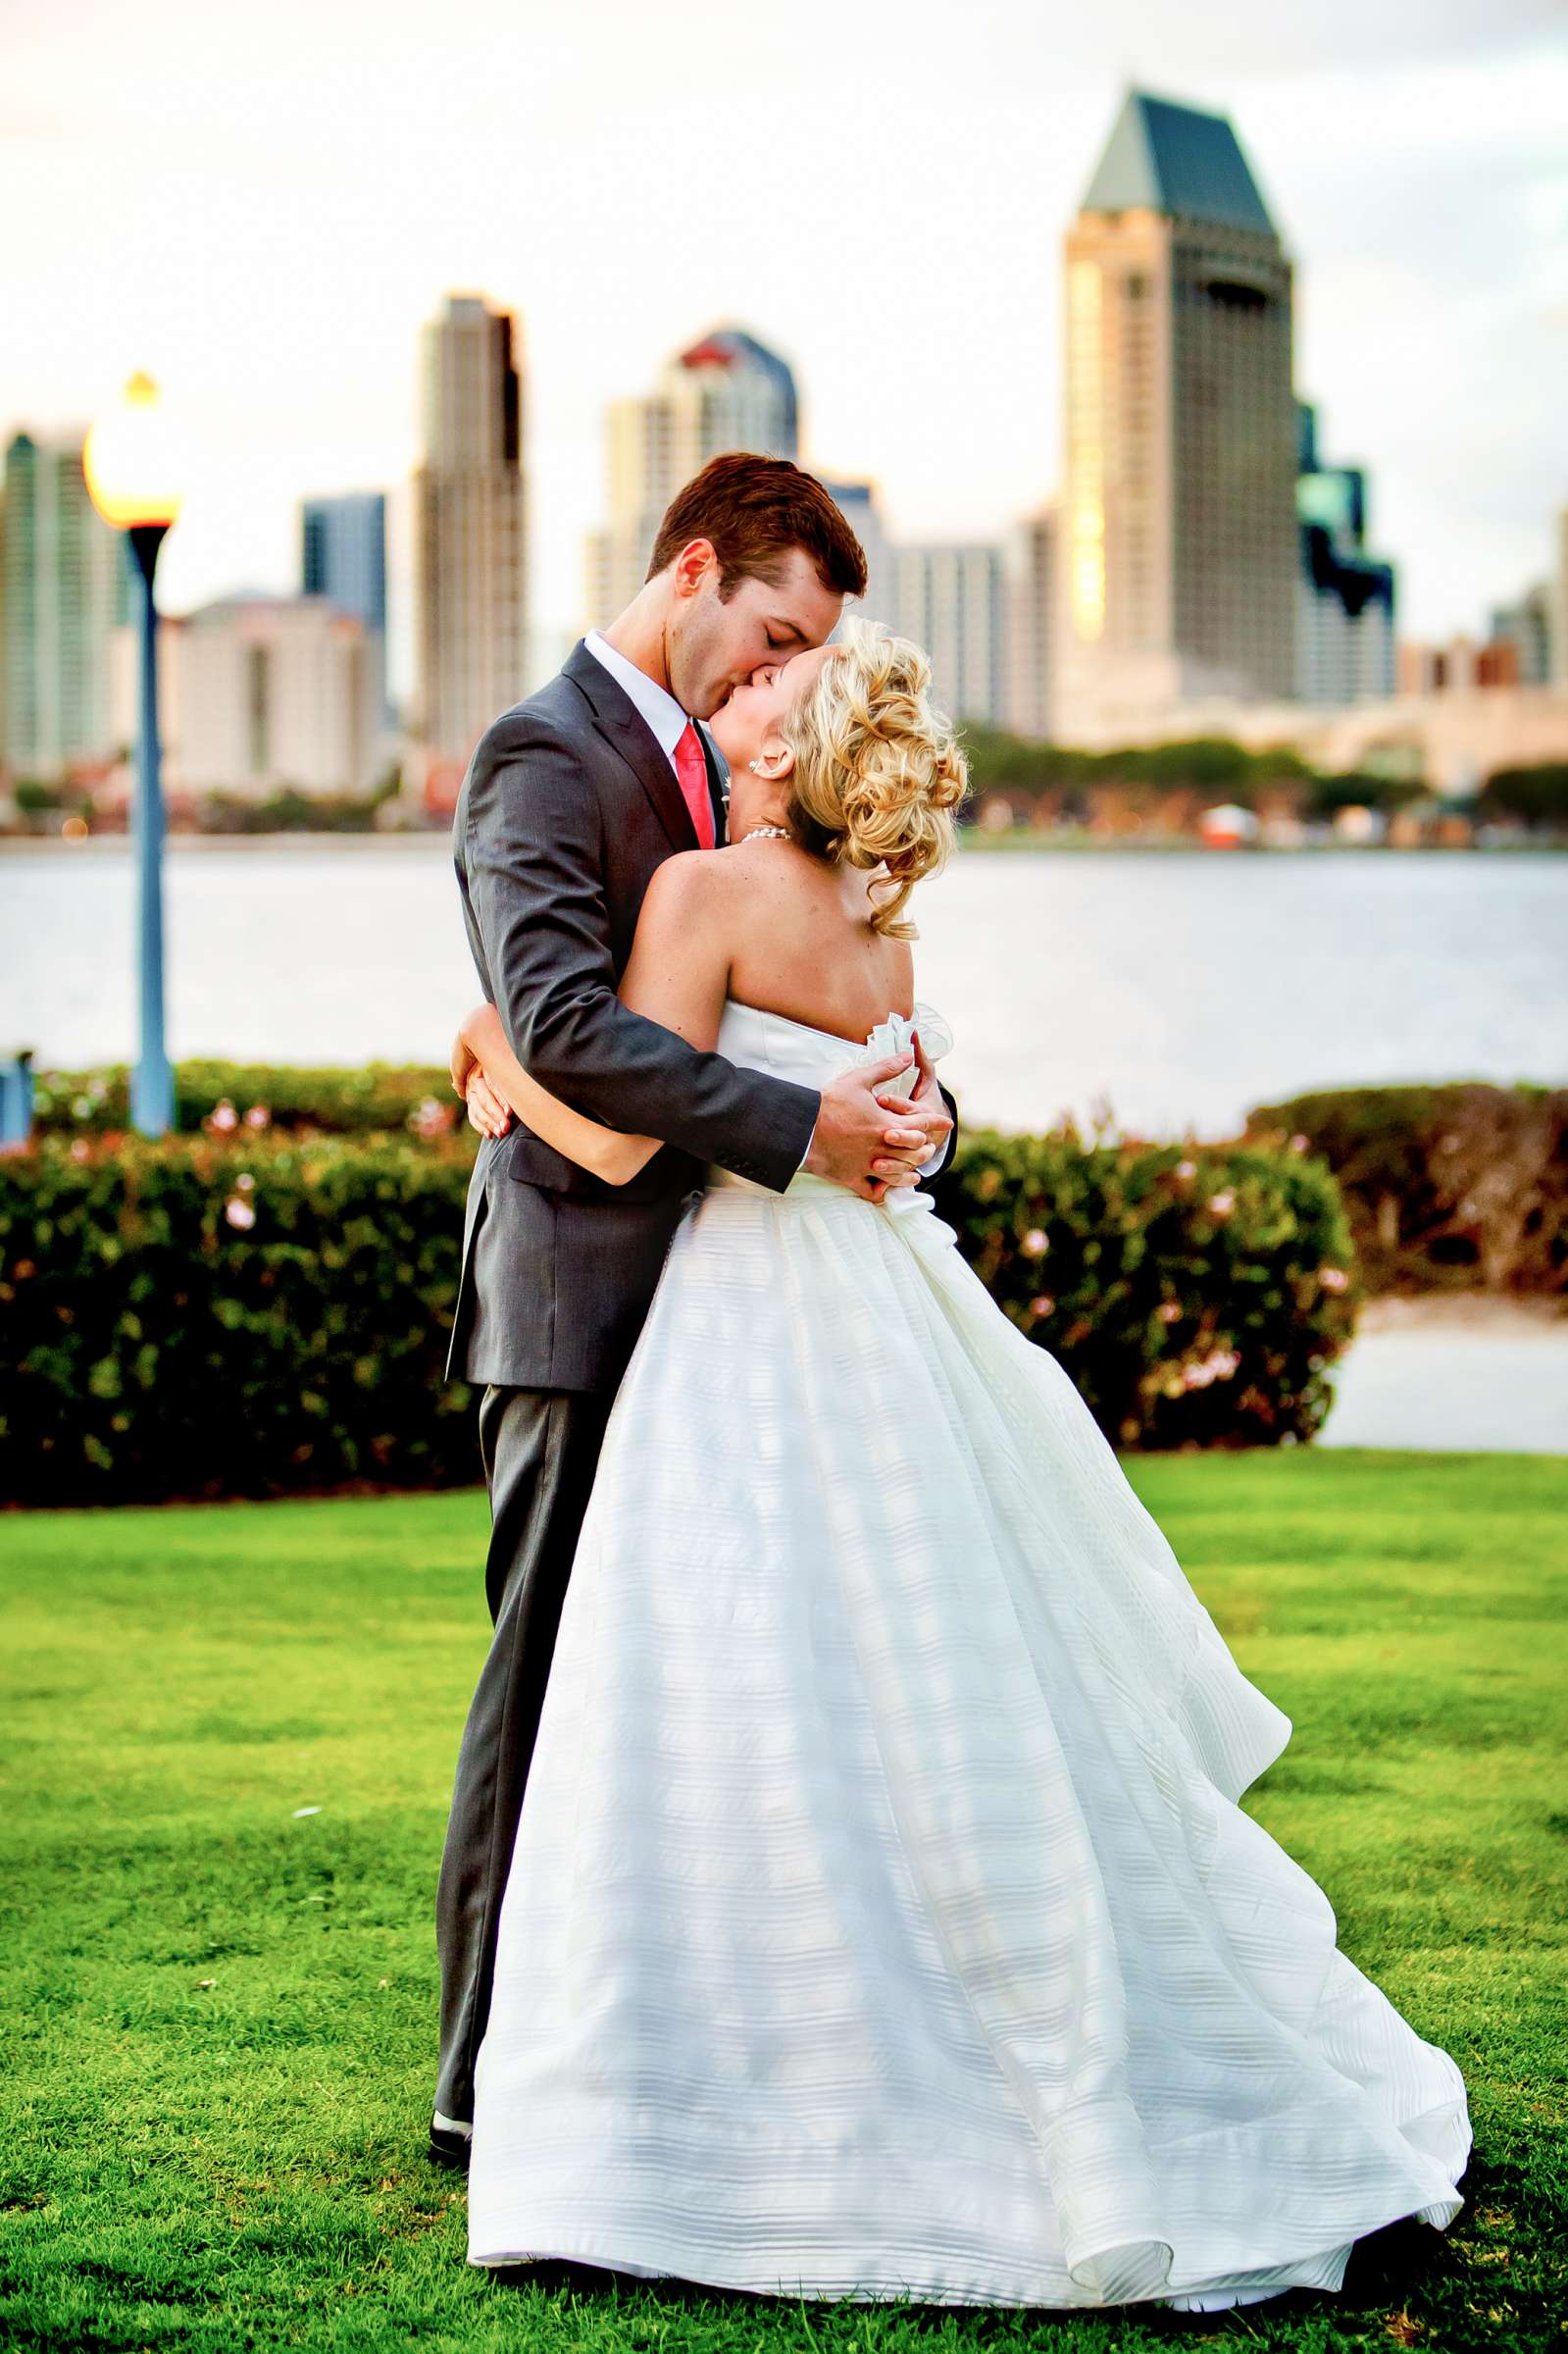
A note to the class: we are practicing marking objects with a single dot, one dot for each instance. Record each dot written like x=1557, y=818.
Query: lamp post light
x=129, y=462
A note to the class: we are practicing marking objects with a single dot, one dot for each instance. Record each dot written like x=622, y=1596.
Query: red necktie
x=692, y=770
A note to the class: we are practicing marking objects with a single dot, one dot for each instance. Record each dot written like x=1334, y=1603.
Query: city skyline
x=273, y=256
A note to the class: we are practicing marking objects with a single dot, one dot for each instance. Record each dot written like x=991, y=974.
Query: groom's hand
x=858, y=1145
x=927, y=1105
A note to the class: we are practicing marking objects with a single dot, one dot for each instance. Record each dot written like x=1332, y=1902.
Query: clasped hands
x=870, y=1141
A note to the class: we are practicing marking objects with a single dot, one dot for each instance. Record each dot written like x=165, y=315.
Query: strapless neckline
x=815, y=1030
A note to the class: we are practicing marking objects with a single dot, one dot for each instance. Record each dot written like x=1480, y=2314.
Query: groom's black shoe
x=450, y=2142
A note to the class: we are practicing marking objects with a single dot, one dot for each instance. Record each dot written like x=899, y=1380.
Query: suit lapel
x=623, y=727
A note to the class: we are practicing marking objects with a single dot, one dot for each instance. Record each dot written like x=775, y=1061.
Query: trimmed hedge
x=266, y=1314
x=1452, y=1187
x=1449, y=1187
x=1196, y=1293
x=189, y=1317
x=219, y=1098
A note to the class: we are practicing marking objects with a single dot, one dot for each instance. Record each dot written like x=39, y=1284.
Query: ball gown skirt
x=882, y=1920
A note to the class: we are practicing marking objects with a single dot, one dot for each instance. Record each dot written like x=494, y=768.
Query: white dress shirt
x=668, y=724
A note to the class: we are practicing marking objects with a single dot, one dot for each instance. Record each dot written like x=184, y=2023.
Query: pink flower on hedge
x=1186, y=1168
x=222, y=1118
x=258, y=1116
x=80, y=1149
x=238, y=1211
x=1043, y=1305
x=1035, y=1243
x=1218, y=1365
x=1333, y=1279
x=433, y=1118
x=1222, y=1203
x=1168, y=1310
x=1298, y=1144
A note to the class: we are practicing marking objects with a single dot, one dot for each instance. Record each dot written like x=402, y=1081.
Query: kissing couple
x=846, y=1892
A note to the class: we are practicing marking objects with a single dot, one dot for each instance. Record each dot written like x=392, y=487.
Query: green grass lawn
x=221, y=2010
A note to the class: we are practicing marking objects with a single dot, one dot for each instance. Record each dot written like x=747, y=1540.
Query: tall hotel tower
x=725, y=391
x=62, y=588
x=470, y=555
x=1179, y=540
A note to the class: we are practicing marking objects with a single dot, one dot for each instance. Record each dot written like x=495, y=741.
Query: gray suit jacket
x=567, y=808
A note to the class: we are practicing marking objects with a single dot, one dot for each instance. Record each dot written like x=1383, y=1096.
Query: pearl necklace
x=779, y=833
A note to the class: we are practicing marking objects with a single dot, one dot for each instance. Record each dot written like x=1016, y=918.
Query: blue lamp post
x=128, y=461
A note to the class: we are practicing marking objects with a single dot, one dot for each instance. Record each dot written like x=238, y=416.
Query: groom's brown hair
x=753, y=511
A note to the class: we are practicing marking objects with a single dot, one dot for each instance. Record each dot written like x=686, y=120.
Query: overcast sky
x=261, y=204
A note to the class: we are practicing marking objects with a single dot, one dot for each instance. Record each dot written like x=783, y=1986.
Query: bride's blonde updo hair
x=877, y=771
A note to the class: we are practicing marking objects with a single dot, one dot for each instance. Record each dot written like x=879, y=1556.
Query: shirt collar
x=654, y=703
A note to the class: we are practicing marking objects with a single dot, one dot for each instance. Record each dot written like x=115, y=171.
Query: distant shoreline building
x=725, y=391
x=1530, y=636
x=62, y=585
x=261, y=694
x=1525, y=630
x=1034, y=573
x=1180, y=428
x=343, y=557
x=468, y=526
x=950, y=599
x=1345, y=597
x=857, y=503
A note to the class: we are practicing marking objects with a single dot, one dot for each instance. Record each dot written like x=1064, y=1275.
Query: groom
x=571, y=801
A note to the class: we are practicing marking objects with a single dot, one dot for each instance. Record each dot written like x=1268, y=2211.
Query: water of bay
x=1171, y=989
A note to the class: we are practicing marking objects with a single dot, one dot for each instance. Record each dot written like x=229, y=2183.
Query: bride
x=882, y=1920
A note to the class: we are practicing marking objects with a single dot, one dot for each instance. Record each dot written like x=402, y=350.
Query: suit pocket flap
x=534, y=1162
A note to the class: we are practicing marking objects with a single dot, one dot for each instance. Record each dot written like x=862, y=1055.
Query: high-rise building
x=1344, y=599
x=468, y=521
x=1033, y=566
x=725, y=391
x=950, y=600
x=343, y=558
x=861, y=509
x=62, y=584
x=1180, y=423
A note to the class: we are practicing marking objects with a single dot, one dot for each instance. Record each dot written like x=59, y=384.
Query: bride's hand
x=487, y=1111
x=461, y=1062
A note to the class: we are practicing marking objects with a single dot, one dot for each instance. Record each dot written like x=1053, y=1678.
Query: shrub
x=188, y=1317
x=1196, y=1293
x=255, y=1316
x=1454, y=1186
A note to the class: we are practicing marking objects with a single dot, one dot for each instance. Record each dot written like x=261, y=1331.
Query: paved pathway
x=1454, y=1370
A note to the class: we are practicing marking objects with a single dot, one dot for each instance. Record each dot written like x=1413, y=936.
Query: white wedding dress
x=882, y=1920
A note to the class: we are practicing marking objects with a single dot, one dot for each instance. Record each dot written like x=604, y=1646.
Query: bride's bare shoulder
x=681, y=879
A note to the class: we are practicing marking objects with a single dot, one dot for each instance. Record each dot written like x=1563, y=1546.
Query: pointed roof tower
x=1172, y=159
